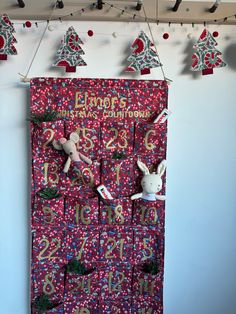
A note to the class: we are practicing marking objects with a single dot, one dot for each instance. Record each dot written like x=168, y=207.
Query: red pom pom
x=215, y=34
x=165, y=35
x=28, y=24
x=90, y=33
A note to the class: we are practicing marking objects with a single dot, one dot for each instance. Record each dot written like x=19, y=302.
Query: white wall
x=200, y=259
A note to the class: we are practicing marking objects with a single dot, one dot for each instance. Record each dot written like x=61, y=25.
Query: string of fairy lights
x=122, y=12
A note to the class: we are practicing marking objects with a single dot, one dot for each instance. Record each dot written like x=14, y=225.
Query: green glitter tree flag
x=69, y=54
x=143, y=57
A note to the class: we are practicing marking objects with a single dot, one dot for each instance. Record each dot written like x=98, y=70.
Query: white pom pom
x=190, y=35
x=50, y=28
x=114, y=34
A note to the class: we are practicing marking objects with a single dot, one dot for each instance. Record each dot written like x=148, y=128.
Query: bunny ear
x=161, y=168
x=57, y=145
x=74, y=137
x=143, y=167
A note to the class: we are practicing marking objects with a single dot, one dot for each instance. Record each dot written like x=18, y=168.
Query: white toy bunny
x=151, y=183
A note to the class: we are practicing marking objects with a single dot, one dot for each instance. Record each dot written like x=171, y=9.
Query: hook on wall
x=21, y=3
x=60, y=4
x=99, y=4
x=215, y=6
x=139, y=5
x=176, y=6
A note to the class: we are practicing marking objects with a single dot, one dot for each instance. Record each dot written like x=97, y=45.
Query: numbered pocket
x=80, y=211
x=115, y=281
x=150, y=139
x=149, y=213
x=146, y=305
x=43, y=136
x=83, y=179
x=116, y=246
x=81, y=306
x=116, y=212
x=117, y=137
x=89, y=136
x=147, y=285
x=48, y=247
x=147, y=246
x=113, y=306
x=117, y=176
x=49, y=173
x=82, y=245
x=48, y=213
x=82, y=285
x=48, y=281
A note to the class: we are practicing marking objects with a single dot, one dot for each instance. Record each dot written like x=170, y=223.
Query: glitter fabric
x=112, y=240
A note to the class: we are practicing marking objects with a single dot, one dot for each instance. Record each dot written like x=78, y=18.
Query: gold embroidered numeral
x=147, y=248
x=115, y=216
x=115, y=287
x=84, y=131
x=145, y=215
x=47, y=244
x=146, y=286
x=149, y=145
x=79, y=214
x=80, y=253
x=47, y=171
x=114, y=244
x=48, y=287
x=81, y=176
x=84, y=285
x=51, y=132
x=48, y=215
x=122, y=135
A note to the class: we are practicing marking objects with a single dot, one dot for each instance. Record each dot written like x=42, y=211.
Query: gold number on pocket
x=84, y=131
x=48, y=287
x=149, y=145
x=47, y=171
x=117, y=170
x=79, y=256
x=48, y=215
x=115, y=287
x=79, y=214
x=122, y=134
x=47, y=244
x=116, y=216
x=81, y=176
x=145, y=215
x=113, y=246
x=82, y=285
x=147, y=248
x=146, y=286
x=51, y=132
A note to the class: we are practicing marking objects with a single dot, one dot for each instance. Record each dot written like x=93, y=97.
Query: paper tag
x=163, y=116
x=103, y=191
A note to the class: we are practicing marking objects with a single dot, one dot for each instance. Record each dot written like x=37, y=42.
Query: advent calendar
x=92, y=254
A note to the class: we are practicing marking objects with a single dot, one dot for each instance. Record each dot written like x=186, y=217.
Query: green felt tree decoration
x=150, y=268
x=77, y=267
x=47, y=116
x=42, y=304
x=48, y=193
x=117, y=155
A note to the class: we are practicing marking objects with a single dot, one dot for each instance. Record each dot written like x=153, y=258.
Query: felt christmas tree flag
x=7, y=40
x=206, y=57
x=143, y=56
x=69, y=54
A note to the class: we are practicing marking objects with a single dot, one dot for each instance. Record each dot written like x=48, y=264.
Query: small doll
x=69, y=147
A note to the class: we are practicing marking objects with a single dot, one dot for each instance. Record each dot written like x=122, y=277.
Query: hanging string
x=158, y=57
x=25, y=77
